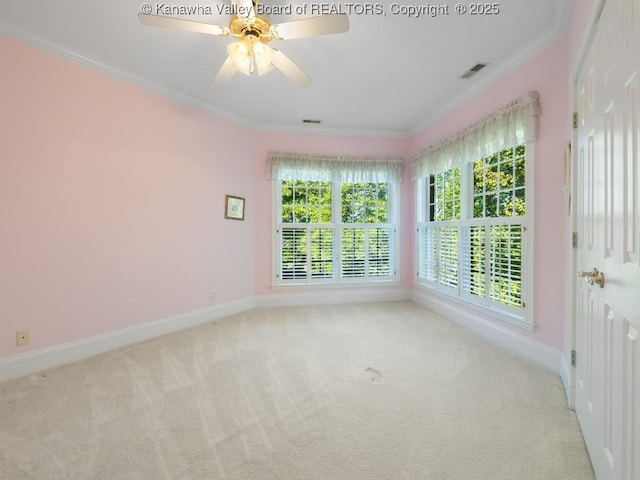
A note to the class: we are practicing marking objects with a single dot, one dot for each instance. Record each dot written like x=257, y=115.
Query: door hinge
x=573, y=358
x=574, y=120
x=574, y=240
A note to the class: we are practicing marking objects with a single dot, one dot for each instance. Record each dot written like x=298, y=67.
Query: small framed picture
x=234, y=207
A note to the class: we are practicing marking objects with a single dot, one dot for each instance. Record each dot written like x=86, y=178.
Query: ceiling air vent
x=315, y=122
x=473, y=70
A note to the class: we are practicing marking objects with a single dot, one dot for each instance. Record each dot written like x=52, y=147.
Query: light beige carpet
x=379, y=391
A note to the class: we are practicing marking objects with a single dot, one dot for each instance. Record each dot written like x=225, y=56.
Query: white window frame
x=512, y=125
x=523, y=317
x=393, y=203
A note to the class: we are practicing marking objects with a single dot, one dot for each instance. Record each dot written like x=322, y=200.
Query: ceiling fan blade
x=226, y=72
x=245, y=10
x=180, y=24
x=309, y=27
x=290, y=69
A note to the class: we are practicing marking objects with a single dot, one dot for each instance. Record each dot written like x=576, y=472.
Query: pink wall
x=111, y=203
x=322, y=145
x=111, y=197
x=547, y=73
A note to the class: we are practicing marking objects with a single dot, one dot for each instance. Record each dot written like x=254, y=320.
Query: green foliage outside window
x=498, y=184
x=364, y=250
x=306, y=202
x=445, y=195
x=365, y=202
x=498, y=192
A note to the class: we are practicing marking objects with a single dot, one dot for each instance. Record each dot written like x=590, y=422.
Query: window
x=334, y=220
x=474, y=236
x=307, y=249
x=472, y=245
x=444, y=195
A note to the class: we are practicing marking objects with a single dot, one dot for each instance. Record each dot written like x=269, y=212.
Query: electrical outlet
x=22, y=338
x=212, y=297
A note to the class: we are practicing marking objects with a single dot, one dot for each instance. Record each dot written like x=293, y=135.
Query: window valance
x=514, y=124
x=298, y=166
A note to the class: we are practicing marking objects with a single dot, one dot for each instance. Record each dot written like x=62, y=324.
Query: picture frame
x=234, y=207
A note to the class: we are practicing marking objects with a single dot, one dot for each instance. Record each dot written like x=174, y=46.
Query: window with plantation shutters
x=366, y=252
x=474, y=196
x=505, y=264
x=306, y=251
x=334, y=223
x=472, y=245
x=294, y=253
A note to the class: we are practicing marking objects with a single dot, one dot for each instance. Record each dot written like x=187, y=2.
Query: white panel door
x=608, y=219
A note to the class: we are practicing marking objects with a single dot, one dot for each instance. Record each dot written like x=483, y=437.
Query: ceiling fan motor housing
x=259, y=28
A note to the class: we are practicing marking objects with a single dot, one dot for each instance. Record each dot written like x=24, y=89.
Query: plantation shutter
x=366, y=252
x=505, y=260
x=473, y=272
x=471, y=237
x=293, y=263
x=427, y=252
x=379, y=254
x=448, y=257
x=334, y=222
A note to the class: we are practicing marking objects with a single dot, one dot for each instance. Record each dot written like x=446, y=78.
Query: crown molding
x=74, y=55
x=550, y=36
x=340, y=131
x=555, y=32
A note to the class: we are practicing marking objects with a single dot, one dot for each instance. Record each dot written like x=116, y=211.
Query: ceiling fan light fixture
x=262, y=56
x=250, y=55
x=239, y=53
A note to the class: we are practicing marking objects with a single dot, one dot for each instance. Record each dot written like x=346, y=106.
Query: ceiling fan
x=250, y=53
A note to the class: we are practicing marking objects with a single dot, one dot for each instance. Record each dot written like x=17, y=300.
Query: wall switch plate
x=22, y=338
x=212, y=297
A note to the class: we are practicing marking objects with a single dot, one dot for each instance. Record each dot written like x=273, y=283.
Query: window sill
x=493, y=313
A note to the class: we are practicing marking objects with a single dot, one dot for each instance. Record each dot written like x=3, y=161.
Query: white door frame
x=567, y=368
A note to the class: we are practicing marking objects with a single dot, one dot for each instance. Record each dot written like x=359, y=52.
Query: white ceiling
x=389, y=75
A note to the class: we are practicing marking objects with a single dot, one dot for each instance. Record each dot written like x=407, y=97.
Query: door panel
x=608, y=217
x=587, y=302
x=631, y=399
x=631, y=145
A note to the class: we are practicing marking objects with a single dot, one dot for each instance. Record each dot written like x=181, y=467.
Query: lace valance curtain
x=511, y=125
x=297, y=166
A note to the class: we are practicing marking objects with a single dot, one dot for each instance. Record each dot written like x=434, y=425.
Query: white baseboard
x=567, y=375
x=355, y=295
x=28, y=363
x=536, y=352
x=32, y=362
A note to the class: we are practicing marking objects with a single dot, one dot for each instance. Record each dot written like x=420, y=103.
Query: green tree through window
x=498, y=184
x=473, y=244
x=311, y=238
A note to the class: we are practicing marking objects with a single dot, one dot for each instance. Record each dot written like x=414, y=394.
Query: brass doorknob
x=593, y=276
